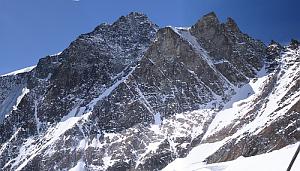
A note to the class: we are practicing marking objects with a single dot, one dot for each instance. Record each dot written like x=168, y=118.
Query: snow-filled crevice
x=187, y=36
x=144, y=101
x=37, y=120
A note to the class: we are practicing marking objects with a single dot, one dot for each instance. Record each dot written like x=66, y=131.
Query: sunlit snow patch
x=274, y=161
x=24, y=70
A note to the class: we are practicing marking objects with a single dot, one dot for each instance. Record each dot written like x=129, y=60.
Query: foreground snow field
x=277, y=160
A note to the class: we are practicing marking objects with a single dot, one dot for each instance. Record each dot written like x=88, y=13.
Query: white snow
x=274, y=161
x=144, y=100
x=24, y=70
x=3, y=147
x=49, y=138
x=82, y=144
x=221, y=62
x=194, y=158
x=107, y=161
x=67, y=122
x=76, y=112
x=183, y=28
x=242, y=103
x=151, y=147
x=37, y=120
x=157, y=119
x=186, y=35
x=24, y=92
x=236, y=107
x=79, y=167
x=12, y=101
x=56, y=54
x=108, y=91
x=22, y=151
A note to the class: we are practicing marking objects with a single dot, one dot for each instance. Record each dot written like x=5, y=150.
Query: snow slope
x=274, y=161
x=24, y=70
x=270, y=93
x=12, y=101
x=239, y=104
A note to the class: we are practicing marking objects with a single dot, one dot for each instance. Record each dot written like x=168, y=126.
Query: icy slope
x=266, y=121
x=276, y=103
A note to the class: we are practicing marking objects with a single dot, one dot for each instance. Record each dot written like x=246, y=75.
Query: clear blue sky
x=32, y=29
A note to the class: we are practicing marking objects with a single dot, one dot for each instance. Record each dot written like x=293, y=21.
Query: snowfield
x=277, y=160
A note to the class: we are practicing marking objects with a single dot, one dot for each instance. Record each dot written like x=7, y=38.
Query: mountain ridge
x=127, y=95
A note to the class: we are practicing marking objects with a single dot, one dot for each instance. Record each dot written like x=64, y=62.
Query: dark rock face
x=77, y=75
x=171, y=78
x=273, y=55
x=92, y=61
x=128, y=96
x=226, y=44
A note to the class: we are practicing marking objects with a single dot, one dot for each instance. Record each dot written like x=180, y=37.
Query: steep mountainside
x=131, y=96
x=265, y=119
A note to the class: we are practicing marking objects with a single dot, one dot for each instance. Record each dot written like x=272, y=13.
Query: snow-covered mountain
x=133, y=96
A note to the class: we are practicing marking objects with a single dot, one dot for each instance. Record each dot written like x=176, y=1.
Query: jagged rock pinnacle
x=210, y=16
x=135, y=17
x=132, y=20
x=231, y=25
x=208, y=20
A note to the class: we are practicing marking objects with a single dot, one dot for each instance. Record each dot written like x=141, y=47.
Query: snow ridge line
x=24, y=70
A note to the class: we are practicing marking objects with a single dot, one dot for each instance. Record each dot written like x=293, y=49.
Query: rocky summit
x=133, y=96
